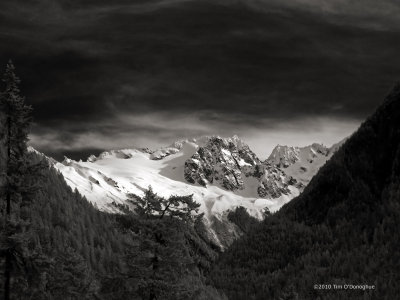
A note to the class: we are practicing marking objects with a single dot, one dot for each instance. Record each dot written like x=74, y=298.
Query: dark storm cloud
x=104, y=75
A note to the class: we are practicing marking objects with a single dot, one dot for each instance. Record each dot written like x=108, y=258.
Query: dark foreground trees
x=168, y=252
x=15, y=182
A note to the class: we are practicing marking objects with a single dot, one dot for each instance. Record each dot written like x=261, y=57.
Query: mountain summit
x=302, y=163
x=221, y=173
x=230, y=164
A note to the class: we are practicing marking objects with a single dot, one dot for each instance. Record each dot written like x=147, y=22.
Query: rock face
x=229, y=163
x=273, y=181
x=220, y=160
x=285, y=156
x=302, y=163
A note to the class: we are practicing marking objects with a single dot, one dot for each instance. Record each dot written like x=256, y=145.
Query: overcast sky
x=137, y=73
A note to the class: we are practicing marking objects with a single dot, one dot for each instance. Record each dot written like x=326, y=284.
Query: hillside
x=342, y=230
x=71, y=250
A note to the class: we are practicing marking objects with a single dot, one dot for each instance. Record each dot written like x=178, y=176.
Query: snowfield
x=108, y=179
x=113, y=175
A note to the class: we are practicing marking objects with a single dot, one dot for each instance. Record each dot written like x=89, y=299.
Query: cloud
x=369, y=13
x=123, y=73
x=156, y=130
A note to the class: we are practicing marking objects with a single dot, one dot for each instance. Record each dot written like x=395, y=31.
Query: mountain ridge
x=236, y=168
x=108, y=180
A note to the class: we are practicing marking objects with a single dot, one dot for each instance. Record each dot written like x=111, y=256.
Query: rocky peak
x=285, y=156
x=229, y=163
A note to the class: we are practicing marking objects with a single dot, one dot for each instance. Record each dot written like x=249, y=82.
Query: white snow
x=302, y=163
x=114, y=174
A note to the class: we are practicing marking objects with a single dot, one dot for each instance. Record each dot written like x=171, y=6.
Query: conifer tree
x=181, y=207
x=149, y=204
x=152, y=205
x=14, y=136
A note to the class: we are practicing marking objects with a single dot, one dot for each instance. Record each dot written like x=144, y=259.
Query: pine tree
x=149, y=204
x=152, y=205
x=181, y=207
x=16, y=123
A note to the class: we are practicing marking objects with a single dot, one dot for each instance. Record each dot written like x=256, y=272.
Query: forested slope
x=343, y=229
x=71, y=250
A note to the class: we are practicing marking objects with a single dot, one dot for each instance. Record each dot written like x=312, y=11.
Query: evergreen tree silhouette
x=16, y=123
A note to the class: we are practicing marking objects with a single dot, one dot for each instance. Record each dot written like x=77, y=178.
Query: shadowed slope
x=343, y=229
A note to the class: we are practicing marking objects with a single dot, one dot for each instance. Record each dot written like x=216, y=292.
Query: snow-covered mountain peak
x=226, y=166
x=120, y=154
x=230, y=164
x=173, y=148
x=283, y=156
x=221, y=173
x=67, y=161
x=301, y=163
x=237, y=172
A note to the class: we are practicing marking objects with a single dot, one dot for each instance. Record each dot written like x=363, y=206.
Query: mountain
x=340, y=237
x=230, y=164
x=221, y=173
x=302, y=163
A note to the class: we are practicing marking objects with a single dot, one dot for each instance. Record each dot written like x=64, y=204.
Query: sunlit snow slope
x=302, y=163
x=113, y=175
